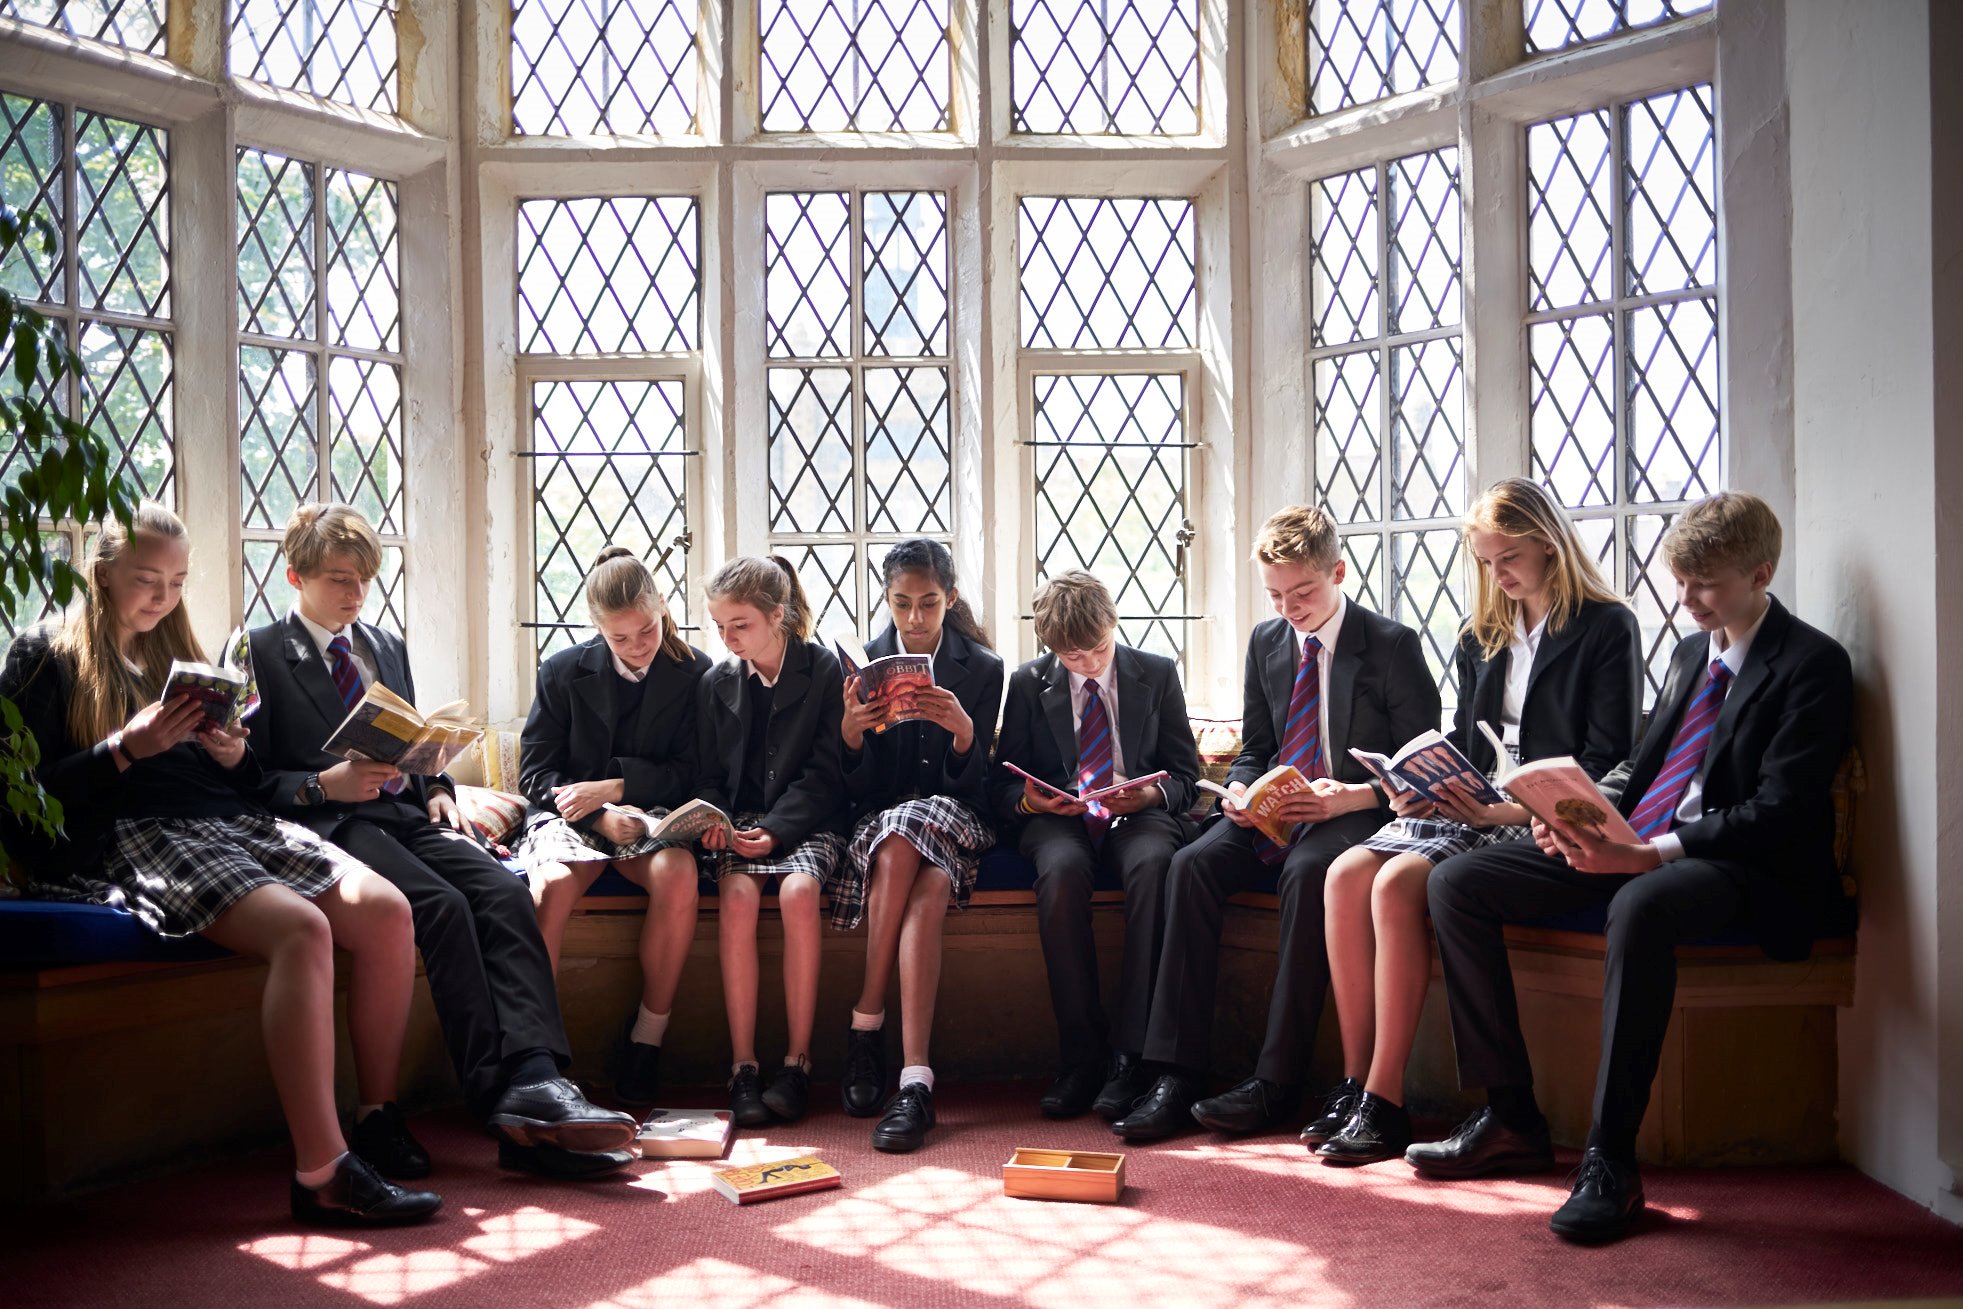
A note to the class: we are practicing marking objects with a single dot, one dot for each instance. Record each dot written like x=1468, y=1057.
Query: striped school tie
x=1301, y=735
x=347, y=680
x=1094, y=759
x=1658, y=809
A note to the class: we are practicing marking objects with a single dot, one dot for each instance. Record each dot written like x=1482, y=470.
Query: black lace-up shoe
x=358, y=1196
x=1337, y=1107
x=865, y=1072
x=1602, y=1206
x=908, y=1116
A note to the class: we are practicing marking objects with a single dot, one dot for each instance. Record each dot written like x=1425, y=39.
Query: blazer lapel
x=593, y=691
x=793, y=679
x=1352, y=645
x=729, y=689
x=1131, y=709
x=310, y=671
x=1489, y=691
x=1758, y=671
x=951, y=664
x=1056, y=707
x=1278, y=674
x=1552, y=646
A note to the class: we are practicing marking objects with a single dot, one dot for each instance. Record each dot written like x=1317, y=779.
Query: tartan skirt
x=815, y=856
x=556, y=841
x=1437, y=839
x=946, y=832
x=177, y=875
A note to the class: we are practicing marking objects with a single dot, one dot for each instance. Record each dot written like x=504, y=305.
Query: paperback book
x=386, y=729
x=889, y=682
x=690, y=821
x=776, y=1180
x=227, y=690
x=1558, y=787
x=1262, y=800
x=1086, y=797
x=1425, y=764
x=685, y=1134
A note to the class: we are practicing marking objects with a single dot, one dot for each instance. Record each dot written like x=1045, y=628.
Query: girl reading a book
x=159, y=819
x=768, y=742
x=610, y=741
x=917, y=795
x=1550, y=657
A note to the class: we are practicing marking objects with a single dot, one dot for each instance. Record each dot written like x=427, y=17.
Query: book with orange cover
x=1264, y=796
x=774, y=1180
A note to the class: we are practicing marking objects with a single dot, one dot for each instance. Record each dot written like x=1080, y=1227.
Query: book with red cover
x=773, y=1181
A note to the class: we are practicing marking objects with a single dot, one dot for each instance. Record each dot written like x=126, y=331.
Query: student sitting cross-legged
x=160, y=817
x=1091, y=713
x=1550, y=658
x=919, y=792
x=489, y=975
x=1729, y=794
x=1324, y=676
x=613, y=722
x=767, y=724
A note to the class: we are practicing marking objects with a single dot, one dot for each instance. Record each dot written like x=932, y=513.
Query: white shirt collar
x=1734, y=654
x=1522, y=635
x=629, y=674
x=750, y=670
x=322, y=635
x=1331, y=628
x=1104, y=678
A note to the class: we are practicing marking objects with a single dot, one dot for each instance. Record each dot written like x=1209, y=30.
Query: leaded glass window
x=1622, y=332
x=613, y=275
x=338, y=49
x=138, y=24
x=1364, y=50
x=1557, y=24
x=855, y=65
x=594, y=67
x=1105, y=67
x=1386, y=361
x=856, y=335
x=320, y=367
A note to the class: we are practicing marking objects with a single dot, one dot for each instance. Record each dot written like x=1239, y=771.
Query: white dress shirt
x=364, y=658
x=1669, y=845
x=1331, y=628
x=1107, y=691
x=629, y=674
x=1520, y=654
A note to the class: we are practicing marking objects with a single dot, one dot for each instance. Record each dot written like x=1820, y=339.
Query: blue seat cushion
x=54, y=933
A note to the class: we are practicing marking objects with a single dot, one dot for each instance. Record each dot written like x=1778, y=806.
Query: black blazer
x=568, y=734
x=803, y=790
x=1381, y=694
x=919, y=757
x=1039, y=731
x=1583, y=694
x=1768, y=772
x=299, y=708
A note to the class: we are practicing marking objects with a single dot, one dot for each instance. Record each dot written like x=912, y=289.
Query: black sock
x=1514, y=1106
x=1616, y=1146
x=530, y=1067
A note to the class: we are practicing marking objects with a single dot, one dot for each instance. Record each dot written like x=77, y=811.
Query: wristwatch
x=311, y=792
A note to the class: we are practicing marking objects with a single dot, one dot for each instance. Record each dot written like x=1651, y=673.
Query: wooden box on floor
x=1090, y=1175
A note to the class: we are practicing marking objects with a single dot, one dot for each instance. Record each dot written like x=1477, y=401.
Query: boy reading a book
x=1324, y=675
x=489, y=974
x=1090, y=713
x=1729, y=794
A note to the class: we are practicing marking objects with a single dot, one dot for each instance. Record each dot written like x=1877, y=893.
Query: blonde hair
x=765, y=584
x=104, y=686
x=1523, y=509
x=1729, y=528
x=1074, y=611
x=1299, y=534
x=619, y=583
x=317, y=531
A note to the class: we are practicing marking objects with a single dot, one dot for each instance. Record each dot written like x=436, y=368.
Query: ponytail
x=619, y=582
x=765, y=584
x=797, y=609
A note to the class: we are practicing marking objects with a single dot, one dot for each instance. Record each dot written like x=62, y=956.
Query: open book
x=384, y=728
x=1558, y=787
x=690, y=821
x=1263, y=798
x=1086, y=797
x=1425, y=763
x=227, y=690
x=889, y=682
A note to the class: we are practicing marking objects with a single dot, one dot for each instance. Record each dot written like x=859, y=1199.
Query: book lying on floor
x=1263, y=799
x=1559, y=787
x=690, y=821
x=889, y=681
x=1425, y=763
x=227, y=690
x=386, y=729
x=685, y=1134
x=773, y=1181
x=1085, y=797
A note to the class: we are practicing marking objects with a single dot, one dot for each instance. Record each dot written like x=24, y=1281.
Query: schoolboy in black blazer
x=1043, y=726
x=1374, y=691
x=1729, y=789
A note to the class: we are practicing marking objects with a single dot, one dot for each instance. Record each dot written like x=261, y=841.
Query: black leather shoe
x=1378, y=1130
x=358, y=1196
x=1256, y=1105
x=789, y=1093
x=1125, y=1084
x=1337, y=1107
x=746, y=1107
x=1483, y=1146
x=636, y=1068
x=561, y=1165
x=1603, y=1205
x=383, y=1139
x=1166, y=1110
x=1073, y=1091
x=908, y=1116
x=865, y=1072
x=553, y=1112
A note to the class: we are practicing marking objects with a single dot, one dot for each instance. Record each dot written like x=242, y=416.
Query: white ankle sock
x=649, y=1028
x=316, y=1178
x=362, y=1111
x=920, y=1073
x=868, y=1022
x=798, y=1061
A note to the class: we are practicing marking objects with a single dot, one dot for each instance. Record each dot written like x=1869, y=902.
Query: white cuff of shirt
x=1668, y=845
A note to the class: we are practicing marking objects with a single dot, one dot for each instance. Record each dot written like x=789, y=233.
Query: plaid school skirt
x=815, y=856
x=1437, y=839
x=948, y=834
x=178, y=875
x=556, y=841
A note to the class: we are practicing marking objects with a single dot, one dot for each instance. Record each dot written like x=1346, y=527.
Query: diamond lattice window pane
x=138, y=24
x=1670, y=181
x=855, y=65
x=1673, y=401
x=364, y=438
x=811, y=450
x=1363, y=577
x=338, y=49
x=1349, y=449
x=1343, y=246
x=1429, y=592
x=1428, y=424
x=1569, y=197
x=1107, y=274
x=123, y=195
x=267, y=596
x=1554, y=24
x=907, y=451
x=608, y=469
x=364, y=277
x=905, y=253
x=603, y=67
x=1424, y=242
x=13, y=455
x=126, y=396
x=1571, y=393
x=1363, y=50
x=387, y=605
x=1598, y=535
x=604, y=276
x=831, y=577
x=1652, y=594
x=279, y=450
x=276, y=245
x=30, y=181
x=1101, y=67
x=1111, y=493
x=36, y=604
x=807, y=279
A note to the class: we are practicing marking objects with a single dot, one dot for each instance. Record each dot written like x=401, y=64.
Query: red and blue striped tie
x=347, y=680
x=1301, y=735
x=1658, y=809
x=1094, y=758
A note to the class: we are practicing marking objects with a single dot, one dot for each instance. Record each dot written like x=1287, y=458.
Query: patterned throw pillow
x=1219, y=741
x=497, y=815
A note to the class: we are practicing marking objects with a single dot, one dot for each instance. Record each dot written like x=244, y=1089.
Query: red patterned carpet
x=1203, y=1222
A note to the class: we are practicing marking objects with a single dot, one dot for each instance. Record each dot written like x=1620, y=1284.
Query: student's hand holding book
x=1461, y=804
x=156, y=728
x=938, y=705
x=1136, y=800
x=1325, y=799
x=753, y=843
x=1038, y=801
x=619, y=828
x=226, y=745
x=356, y=780
x=576, y=800
x=859, y=718
x=1586, y=852
x=1411, y=804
